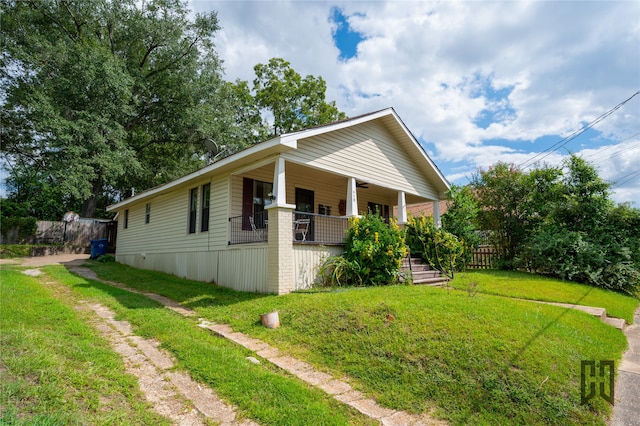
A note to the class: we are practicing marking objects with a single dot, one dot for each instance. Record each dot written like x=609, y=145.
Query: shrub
x=372, y=255
x=376, y=247
x=337, y=271
x=440, y=248
x=572, y=255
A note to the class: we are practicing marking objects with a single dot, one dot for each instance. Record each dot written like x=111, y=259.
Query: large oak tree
x=100, y=97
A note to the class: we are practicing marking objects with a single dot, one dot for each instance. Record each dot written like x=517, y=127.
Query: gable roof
x=285, y=142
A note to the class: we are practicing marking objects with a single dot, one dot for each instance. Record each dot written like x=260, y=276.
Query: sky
x=476, y=82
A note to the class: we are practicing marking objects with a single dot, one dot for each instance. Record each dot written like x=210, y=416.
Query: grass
x=261, y=392
x=524, y=285
x=55, y=369
x=476, y=360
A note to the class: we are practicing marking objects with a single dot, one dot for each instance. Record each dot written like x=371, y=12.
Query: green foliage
x=337, y=271
x=15, y=221
x=510, y=204
x=15, y=250
x=372, y=255
x=460, y=220
x=574, y=256
x=440, y=248
x=376, y=247
x=295, y=102
x=561, y=222
x=105, y=97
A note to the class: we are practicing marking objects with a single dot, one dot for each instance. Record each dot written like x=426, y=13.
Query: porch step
x=421, y=272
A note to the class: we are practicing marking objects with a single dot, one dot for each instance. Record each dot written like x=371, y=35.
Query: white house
x=262, y=220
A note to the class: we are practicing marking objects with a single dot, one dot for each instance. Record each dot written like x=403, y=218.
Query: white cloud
x=562, y=64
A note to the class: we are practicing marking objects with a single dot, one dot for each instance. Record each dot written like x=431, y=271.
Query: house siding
x=307, y=260
x=241, y=269
x=362, y=152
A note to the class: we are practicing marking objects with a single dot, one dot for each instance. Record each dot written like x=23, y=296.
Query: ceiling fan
x=362, y=185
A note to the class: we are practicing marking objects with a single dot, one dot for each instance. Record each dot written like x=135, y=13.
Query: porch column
x=402, y=208
x=436, y=214
x=280, y=248
x=352, y=198
x=279, y=183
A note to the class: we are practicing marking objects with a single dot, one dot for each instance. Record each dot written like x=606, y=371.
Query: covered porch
x=320, y=203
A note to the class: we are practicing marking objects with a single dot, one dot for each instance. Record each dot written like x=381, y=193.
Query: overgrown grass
x=9, y=251
x=55, y=369
x=523, y=285
x=477, y=360
x=261, y=392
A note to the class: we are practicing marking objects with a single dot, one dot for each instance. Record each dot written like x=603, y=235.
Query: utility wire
x=573, y=135
x=615, y=144
x=617, y=153
x=626, y=178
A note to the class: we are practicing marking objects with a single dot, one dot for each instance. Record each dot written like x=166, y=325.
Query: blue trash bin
x=99, y=247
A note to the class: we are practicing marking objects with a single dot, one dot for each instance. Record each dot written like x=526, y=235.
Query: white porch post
x=352, y=198
x=279, y=183
x=402, y=208
x=436, y=214
x=280, y=244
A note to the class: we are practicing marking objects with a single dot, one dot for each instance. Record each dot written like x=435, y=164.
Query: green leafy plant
x=336, y=271
x=372, y=255
x=440, y=248
x=376, y=247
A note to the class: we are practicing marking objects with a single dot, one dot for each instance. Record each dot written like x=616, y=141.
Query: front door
x=304, y=204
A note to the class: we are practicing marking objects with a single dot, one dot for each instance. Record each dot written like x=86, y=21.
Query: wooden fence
x=484, y=257
x=74, y=233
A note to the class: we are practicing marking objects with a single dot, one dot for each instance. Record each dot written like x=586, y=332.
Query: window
x=147, y=213
x=255, y=197
x=193, y=209
x=206, y=201
x=126, y=219
x=379, y=209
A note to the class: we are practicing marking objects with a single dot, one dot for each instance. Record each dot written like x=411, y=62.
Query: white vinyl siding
x=368, y=153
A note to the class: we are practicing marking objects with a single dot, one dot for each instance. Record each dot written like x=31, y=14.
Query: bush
x=440, y=248
x=372, y=255
x=572, y=255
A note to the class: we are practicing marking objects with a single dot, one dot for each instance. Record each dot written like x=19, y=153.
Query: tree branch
x=178, y=59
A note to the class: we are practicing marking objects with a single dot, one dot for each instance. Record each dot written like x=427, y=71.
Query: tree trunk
x=90, y=205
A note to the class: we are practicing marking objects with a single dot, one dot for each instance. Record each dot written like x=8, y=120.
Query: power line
x=626, y=178
x=574, y=135
x=617, y=153
x=615, y=144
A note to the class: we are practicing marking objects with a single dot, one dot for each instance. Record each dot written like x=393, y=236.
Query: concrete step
x=436, y=281
x=424, y=274
x=616, y=322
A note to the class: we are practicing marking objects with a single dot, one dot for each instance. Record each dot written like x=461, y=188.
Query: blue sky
x=476, y=82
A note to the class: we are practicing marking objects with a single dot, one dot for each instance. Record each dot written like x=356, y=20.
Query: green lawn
x=476, y=359
x=261, y=392
x=55, y=369
x=534, y=287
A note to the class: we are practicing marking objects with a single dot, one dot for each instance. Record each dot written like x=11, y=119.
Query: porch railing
x=305, y=227
x=321, y=229
x=249, y=229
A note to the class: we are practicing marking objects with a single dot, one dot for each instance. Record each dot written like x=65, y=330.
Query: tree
x=461, y=221
x=104, y=96
x=295, y=102
x=511, y=203
x=560, y=222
